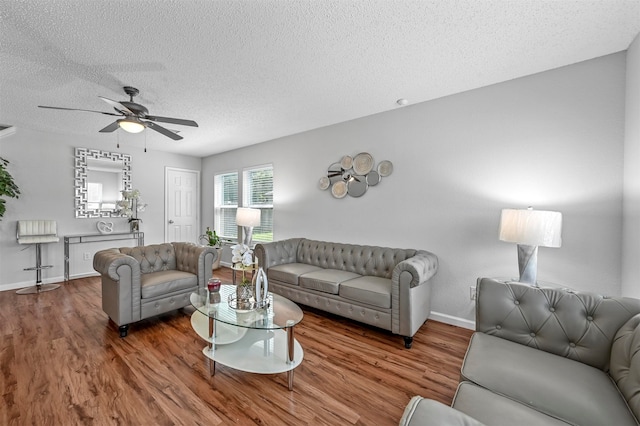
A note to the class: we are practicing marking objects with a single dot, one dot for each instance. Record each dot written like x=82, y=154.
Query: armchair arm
x=422, y=266
x=196, y=259
x=277, y=252
x=577, y=325
x=107, y=262
x=422, y=411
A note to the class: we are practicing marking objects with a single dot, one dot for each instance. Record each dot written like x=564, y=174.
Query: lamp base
x=528, y=264
x=247, y=234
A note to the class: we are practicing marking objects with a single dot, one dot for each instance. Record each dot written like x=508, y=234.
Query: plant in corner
x=7, y=185
x=212, y=239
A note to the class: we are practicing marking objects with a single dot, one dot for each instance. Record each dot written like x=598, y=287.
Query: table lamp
x=247, y=218
x=530, y=229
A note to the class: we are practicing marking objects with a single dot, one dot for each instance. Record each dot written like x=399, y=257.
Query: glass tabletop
x=280, y=313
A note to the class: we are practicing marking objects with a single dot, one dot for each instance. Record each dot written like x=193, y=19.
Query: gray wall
x=631, y=237
x=42, y=166
x=553, y=140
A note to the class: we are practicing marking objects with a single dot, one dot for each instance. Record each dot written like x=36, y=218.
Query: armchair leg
x=408, y=341
x=124, y=329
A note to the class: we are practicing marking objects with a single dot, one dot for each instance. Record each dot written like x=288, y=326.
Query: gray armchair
x=142, y=282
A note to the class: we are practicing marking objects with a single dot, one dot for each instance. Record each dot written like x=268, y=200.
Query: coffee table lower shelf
x=250, y=350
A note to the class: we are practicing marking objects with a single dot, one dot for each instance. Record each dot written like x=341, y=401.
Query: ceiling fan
x=133, y=115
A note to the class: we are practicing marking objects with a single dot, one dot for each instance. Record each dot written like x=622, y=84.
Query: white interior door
x=182, y=205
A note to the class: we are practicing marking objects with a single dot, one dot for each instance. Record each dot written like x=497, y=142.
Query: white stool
x=37, y=232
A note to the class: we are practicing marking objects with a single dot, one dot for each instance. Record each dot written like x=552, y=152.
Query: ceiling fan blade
x=158, y=128
x=85, y=110
x=110, y=128
x=172, y=120
x=117, y=105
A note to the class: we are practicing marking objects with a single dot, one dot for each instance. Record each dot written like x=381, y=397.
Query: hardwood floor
x=63, y=363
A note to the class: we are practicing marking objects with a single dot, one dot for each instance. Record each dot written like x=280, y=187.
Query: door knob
x=170, y=221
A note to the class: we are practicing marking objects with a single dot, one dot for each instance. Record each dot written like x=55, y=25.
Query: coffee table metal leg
x=290, y=352
x=212, y=333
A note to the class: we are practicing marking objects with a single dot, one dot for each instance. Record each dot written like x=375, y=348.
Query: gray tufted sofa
x=544, y=356
x=384, y=287
x=141, y=282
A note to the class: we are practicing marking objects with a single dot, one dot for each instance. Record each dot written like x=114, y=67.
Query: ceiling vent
x=6, y=130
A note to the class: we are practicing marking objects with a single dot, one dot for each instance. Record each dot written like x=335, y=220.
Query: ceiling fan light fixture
x=131, y=125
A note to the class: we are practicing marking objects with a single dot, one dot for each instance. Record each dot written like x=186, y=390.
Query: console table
x=95, y=238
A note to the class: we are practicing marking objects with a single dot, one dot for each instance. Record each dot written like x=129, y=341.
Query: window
x=257, y=193
x=225, y=204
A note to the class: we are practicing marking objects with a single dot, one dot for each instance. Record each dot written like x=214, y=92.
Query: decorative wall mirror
x=99, y=178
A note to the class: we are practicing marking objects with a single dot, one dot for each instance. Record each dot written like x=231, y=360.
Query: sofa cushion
x=625, y=362
x=557, y=386
x=162, y=283
x=290, y=272
x=326, y=280
x=374, y=291
x=492, y=409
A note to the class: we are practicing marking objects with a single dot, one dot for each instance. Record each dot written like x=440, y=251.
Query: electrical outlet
x=86, y=256
x=472, y=293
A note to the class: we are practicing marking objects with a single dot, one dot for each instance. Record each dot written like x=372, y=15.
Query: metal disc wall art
x=354, y=175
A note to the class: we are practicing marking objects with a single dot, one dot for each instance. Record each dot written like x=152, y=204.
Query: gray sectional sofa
x=141, y=282
x=544, y=356
x=384, y=287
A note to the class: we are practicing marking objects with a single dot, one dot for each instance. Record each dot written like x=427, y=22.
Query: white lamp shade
x=247, y=217
x=531, y=227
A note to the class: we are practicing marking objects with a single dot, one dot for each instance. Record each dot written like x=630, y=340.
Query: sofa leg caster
x=408, y=341
x=124, y=329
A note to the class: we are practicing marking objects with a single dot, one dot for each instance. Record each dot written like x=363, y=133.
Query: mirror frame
x=82, y=155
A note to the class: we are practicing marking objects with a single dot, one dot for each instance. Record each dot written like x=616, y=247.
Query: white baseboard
x=451, y=320
x=52, y=280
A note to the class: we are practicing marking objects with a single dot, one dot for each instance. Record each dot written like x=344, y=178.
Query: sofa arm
x=277, y=252
x=422, y=266
x=196, y=259
x=577, y=325
x=422, y=411
x=107, y=262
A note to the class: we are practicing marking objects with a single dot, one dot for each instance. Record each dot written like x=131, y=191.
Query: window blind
x=225, y=204
x=257, y=193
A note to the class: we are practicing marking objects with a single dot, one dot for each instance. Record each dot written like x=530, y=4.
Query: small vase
x=134, y=225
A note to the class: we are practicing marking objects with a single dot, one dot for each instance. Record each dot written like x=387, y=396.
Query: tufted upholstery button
x=573, y=345
x=532, y=334
x=517, y=302
x=589, y=318
x=552, y=309
x=499, y=327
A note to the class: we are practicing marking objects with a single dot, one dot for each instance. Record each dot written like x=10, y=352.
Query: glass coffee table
x=252, y=340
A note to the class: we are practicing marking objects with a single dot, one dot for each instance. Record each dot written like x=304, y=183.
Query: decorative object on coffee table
x=242, y=260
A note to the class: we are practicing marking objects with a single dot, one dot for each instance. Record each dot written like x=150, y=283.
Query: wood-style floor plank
x=62, y=362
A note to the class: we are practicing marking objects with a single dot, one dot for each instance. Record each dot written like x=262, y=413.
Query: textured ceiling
x=251, y=70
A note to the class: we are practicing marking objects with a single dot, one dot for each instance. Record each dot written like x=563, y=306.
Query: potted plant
x=129, y=206
x=212, y=239
x=7, y=186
